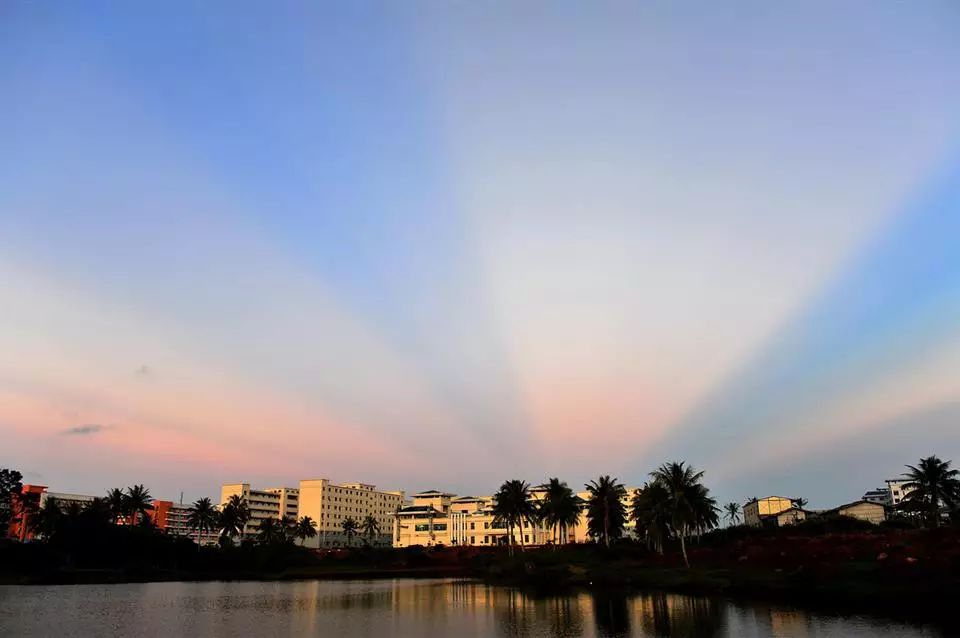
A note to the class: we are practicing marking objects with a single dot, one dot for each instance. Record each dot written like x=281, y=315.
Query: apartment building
x=330, y=504
x=897, y=490
x=65, y=500
x=272, y=502
x=174, y=519
x=441, y=518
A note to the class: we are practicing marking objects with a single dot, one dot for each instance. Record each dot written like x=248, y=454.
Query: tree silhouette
x=690, y=506
x=138, y=503
x=370, y=527
x=234, y=516
x=350, y=527
x=606, y=513
x=203, y=518
x=10, y=488
x=732, y=513
x=512, y=507
x=118, y=504
x=306, y=528
x=271, y=531
x=931, y=483
x=652, y=514
x=559, y=509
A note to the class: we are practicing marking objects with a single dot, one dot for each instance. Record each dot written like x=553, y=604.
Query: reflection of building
x=764, y=511
x=273, y=502
x=329, y=505
x=440, y=518
x=863, y=510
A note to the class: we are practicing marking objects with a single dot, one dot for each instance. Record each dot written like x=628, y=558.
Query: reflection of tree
x=513, y=615
x=672, y=616
x=611, y=614
x=565, y=616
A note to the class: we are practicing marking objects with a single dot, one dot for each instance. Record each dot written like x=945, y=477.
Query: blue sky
x=440, y=245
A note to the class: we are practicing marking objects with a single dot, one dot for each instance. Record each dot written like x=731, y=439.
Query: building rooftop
x=414, y=509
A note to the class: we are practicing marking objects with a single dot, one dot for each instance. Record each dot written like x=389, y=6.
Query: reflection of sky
x=437, y=247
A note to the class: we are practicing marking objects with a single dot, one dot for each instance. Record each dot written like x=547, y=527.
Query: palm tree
x=234, y=516
x=349, y=527
x=690, y=506
x=289, y=526
x=559, y=508
x=203, y=518
x=732, y=513
x=800, y=503
x=512, y=507
x=651, y=512
x=117, y=501
x=930, y=484
x=139, y=502
x=306, y=528
x=99, y=512
x=370, y=527
x=270, y=531
x=46, y=521
x=606, y=513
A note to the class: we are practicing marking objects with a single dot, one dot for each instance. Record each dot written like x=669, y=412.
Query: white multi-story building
x=897, y=491
x=330, y=504
x=441, y=518
x=272, y=502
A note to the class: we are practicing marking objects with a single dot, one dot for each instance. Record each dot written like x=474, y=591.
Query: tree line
x=673, y=504
x=134, y=507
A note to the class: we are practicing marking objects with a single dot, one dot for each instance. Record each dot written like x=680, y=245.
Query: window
x=472, y=525
x=421, y=527
x=473, y=540
x=486, y=526
x=526, y=538
x=486, y=539
x=440, y=527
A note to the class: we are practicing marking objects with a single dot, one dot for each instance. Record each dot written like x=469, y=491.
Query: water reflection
x=408, y=608
x=611, y=614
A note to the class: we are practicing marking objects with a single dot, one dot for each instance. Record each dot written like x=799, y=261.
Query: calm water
x=412, y=608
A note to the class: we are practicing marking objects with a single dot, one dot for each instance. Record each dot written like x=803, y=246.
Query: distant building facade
x=765, y=510
x=898, y=491
x=330, y=504
x=22, y=507
x=272, y=502
x=867, y=511
x=174, y=519
x=880, y=495
x=441, y=518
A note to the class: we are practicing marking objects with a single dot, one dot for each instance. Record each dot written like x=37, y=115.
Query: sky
x=440, y=245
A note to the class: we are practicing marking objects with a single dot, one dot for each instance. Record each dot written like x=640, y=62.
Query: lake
x=402, y=607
